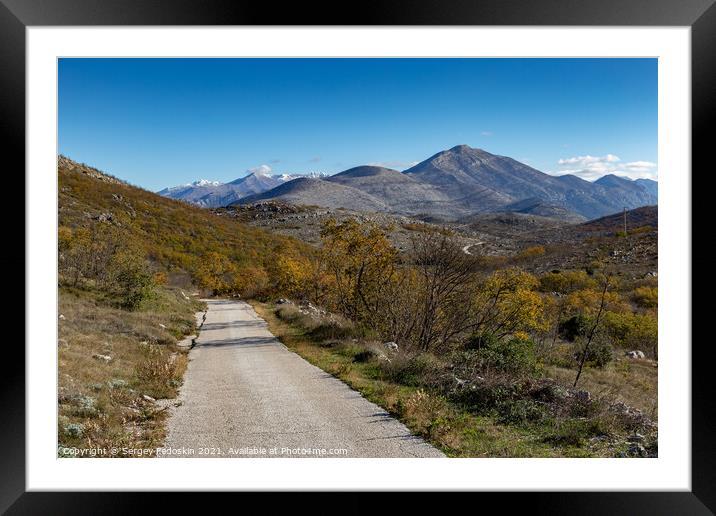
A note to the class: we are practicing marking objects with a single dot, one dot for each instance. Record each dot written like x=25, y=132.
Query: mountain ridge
x=450, y=184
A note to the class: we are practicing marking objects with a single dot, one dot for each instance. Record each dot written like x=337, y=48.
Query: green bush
x=333, y=328
x=521, y=411
x=573, y=327
x=134, y=282
x=632, y=331
x=412, y=370
x=599, y=354
x=515, y=356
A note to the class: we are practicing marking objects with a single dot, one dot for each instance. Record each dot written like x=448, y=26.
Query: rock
x=98, y=356
x=636, y=354
x=162, y=326
x=283, y=301
x=460, y=382
x=582, y=396
x=636, y=450
x=148, y=398
x=392, y=346
x=104, y=217
x=62, y=342
x=62, y=317
x=636, y=438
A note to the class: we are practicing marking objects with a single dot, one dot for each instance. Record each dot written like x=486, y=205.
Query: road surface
x=466, y=249
x=246, y=395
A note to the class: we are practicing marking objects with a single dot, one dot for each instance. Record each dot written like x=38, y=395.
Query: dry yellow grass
x=112, y=363
x=456, y=432
x=635, y=382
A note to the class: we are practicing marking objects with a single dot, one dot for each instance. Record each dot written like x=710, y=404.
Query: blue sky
x=163, y=122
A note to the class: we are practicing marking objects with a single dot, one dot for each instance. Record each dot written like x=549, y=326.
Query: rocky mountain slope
x=463, y=170
x=450, y=185
x=320, y=192
x=210, y=194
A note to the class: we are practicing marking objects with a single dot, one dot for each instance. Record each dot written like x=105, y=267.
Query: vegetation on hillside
x=483, y=355
x=131, y=267
x=487, y=341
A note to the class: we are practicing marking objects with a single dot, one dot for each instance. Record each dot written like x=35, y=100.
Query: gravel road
x=246, y=395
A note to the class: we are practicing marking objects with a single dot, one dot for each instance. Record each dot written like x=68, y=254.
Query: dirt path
x=246, y=395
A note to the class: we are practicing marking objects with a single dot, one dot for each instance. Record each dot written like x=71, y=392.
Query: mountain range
x=451, y=184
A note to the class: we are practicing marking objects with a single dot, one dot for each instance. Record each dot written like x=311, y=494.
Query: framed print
x=414, y=250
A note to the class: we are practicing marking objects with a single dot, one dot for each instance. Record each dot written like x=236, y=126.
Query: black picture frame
x=17, y=15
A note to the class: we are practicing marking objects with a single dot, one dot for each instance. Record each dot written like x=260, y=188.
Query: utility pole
x=625, y=229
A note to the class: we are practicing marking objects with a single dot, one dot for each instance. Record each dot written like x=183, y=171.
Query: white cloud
x=486, y=133
x=261, y=170
x=593, y=167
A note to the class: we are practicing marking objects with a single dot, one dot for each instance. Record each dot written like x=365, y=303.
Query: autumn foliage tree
x=216, y=273
x=361, y=263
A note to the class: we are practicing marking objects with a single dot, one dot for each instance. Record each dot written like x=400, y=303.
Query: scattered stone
x=116, y=383
x=62, y=342
x=636, y=354
x=283, y=301
x=636, y=438
x=62, y=317
x=582, y=396
x=162, y=326
x=460, y=382
x=98, y=356
x=148, y=398
x=392, y=346
x=104, y=217
x=636, y=450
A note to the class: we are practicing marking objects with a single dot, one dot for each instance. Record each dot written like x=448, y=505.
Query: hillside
x=320, y=192
x=463, y=169
x=132, y=266
x=401, y=192
x=646, y=216
x=210, y=194
x=464, y=181
x=174, y=234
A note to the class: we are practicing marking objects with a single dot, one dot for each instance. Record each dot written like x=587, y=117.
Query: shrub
x=134, y=282
x=413, y=370
x=599, y=354
x=515, y=356
x=333, y=327
x=521, y=411
x=632, y=331
x=573, y=327
x=158, y=371
x=531, y=252
x=646, y=297
x=566, y=282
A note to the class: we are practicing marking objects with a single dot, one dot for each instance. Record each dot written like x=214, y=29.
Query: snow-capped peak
x=205, y=182
x=316, y=174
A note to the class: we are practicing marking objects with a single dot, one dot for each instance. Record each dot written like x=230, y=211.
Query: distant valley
x=451, y=185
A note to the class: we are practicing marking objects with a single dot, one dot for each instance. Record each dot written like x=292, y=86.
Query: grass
x=113, y=362
x=450, y=426
x=635, y=382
